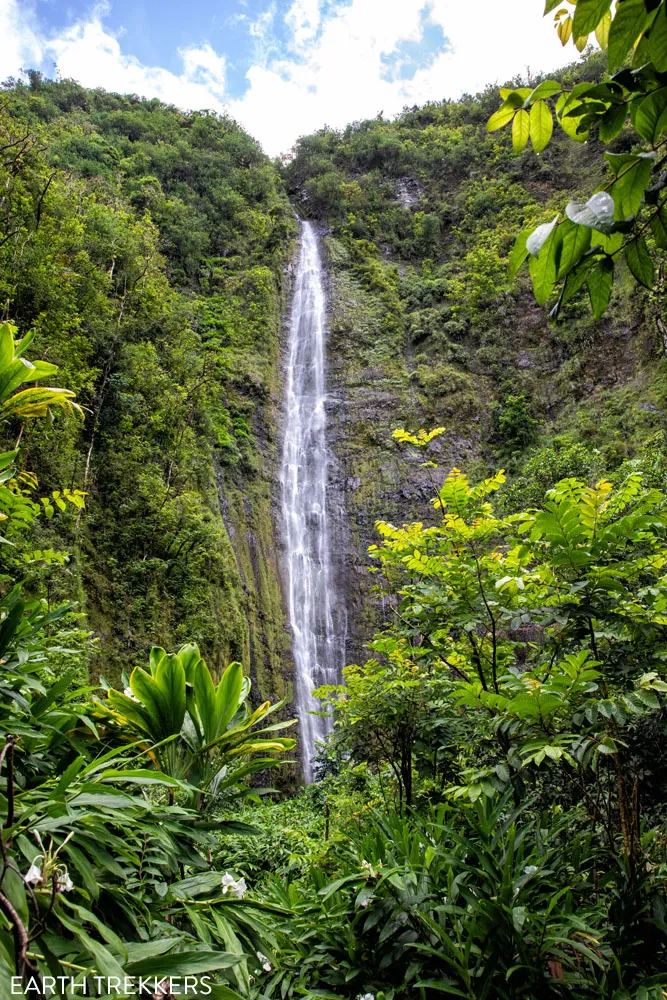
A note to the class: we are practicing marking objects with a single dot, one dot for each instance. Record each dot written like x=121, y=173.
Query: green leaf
x=229, y=695
x=602, y=31
x=587, y=15
x=640, y=262
x=544, y=269
x=204, y=689
x=519, y=253
x=612, y=122
x=565, y=104
x=550, y=5
x=541, y=126
x=544, y=90
x=520, y=130
x=658, y=40
x=600, y=283
x=183, y=963
x=6, y=345
x=573, y=242
x=501, y=117
x=651, y=115
x=659, y=228
x=632, y=172
x=627, y=26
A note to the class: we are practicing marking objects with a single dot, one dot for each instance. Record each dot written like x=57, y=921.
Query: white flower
x=516, y=890
x=236, y=888
x=129, y=694
x=64, y=882
x=530, y=869
x=366, y=996
x=366, y=902
x=266, y=965
x=34, y=873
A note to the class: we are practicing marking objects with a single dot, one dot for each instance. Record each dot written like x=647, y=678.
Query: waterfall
x=317, y=644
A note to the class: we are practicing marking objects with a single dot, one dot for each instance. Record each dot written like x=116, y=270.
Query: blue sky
x=282, y=67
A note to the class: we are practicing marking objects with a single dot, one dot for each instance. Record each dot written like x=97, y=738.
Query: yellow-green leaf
x=541, y=125
x=501, y=117
x=520, y=130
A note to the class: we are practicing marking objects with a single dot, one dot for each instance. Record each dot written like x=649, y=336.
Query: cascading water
x=311, y=602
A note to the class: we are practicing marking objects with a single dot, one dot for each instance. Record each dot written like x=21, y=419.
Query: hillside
x=149, y=249
x=146, y=248
x=426, y=330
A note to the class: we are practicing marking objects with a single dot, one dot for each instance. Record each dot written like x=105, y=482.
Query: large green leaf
x=541, y=125
x=626, y=28
x=564, y=105
x=229, y=695
x=658, y=40
x=501, y=117
x=520, y=130
x=600, y=283
x=539, y=236
x=659, y=228
x=519, y=253
x=156, y=654
x=612, y=122
x=543, y=270
x=182, y=963
x=137, y=714
x=587, y=16
x=6, y=345
x=650, y=118
x=573, y=242
x=205, y=701
x=170, y=676
x=632, y=173
x=640, y=262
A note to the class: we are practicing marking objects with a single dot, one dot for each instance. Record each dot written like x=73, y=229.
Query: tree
x=627, y=215
x=550, y=626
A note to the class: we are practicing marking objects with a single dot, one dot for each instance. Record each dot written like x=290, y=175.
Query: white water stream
x=311, y=603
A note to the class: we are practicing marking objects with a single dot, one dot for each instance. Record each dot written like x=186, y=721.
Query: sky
x=282, y=68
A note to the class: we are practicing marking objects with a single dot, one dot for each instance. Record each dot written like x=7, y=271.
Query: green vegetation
x=489, y=818
x=145, y=247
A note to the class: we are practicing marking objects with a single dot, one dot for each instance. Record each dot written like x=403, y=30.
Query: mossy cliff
x=418, y=218
x=147, y=248
x=151, y=252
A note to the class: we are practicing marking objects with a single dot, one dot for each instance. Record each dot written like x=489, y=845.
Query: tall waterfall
x=318, y=649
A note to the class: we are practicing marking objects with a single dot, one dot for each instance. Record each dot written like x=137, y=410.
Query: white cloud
x=340, y=75
x=20, y=47
x=331, y=72
x=303, y=19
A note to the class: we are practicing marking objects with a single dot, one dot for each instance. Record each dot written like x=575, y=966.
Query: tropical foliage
x=627, y=214
x=489, y=815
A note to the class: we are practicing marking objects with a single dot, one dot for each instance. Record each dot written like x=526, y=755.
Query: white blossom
x=366, y=996
x=128, y=692
x=366, y=902
x=64, y=882
x=34, y=873
x=236, y=888
x=266, y=965
x=530, y=869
